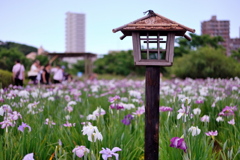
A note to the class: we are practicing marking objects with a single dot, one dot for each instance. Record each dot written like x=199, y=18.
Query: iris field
x=104, y=119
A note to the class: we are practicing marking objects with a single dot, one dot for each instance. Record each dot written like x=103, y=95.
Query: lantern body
x=153, y=48
x=153, y=39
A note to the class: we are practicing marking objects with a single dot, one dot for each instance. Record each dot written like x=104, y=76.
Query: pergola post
x=88, y=65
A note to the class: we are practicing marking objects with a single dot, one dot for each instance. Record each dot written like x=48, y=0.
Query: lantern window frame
x=155, y=25
x=137, y=50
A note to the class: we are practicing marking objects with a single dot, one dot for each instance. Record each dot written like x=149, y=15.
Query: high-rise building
x=214, y=27
x=221, y=28
x=75, y=32
x=234, y=43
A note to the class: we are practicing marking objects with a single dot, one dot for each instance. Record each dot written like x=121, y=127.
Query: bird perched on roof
x=150, y=12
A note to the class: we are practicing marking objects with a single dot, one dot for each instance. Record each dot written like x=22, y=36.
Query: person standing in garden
x=18, y=71
x=57, y=74
x=34, y=71
x=45, y=75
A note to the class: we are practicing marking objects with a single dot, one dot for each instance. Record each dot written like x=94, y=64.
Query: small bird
x=150, y=12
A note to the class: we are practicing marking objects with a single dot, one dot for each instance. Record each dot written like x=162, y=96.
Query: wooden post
x=152, y=112
x=86, y=63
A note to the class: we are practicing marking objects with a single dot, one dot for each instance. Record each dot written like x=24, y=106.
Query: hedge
x=205, y=62
x=5, y=78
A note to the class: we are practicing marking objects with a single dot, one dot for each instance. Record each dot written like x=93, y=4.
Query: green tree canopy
x=9, y=56
x=205, y=62
x=77, y=67
x=186, y=46
x=25, y=49
x=118, y=63
x=236, y=54
x=43, y=59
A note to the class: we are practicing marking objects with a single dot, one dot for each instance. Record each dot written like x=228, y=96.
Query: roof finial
x=150, y=12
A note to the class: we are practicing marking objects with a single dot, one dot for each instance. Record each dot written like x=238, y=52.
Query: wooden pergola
x=88, y=59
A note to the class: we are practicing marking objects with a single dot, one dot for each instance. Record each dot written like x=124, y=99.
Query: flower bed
x=102, y=119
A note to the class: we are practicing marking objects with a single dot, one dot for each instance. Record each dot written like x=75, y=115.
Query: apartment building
x=75, y=32
x=221, y=28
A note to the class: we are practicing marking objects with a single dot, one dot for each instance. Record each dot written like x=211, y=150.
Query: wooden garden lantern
x=153, y=46
x=153, y=39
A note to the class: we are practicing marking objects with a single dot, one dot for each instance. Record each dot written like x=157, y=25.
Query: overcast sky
x=42, y=22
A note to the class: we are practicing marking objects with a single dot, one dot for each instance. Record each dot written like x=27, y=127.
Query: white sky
x=42, y=22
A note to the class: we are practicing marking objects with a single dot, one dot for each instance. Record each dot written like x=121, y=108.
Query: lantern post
x=153, y=46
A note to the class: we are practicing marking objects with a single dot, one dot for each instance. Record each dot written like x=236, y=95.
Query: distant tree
x=78, y=67
x=236, y=54
x=118, y=63
x=205, y=62
x=25, y=49
x=43, y=59
x=9, y=56
x=197, y=41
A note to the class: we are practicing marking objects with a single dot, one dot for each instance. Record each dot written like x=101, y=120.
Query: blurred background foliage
x=5, y=78
x=200, y=58
x=205, y=62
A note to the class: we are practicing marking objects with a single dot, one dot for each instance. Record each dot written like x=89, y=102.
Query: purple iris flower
x=127, y=119
x=165, y=109
x=1, y=99
x=212, y=133
x=114, y=99
x=23, y=126
x=228, y=111
x=177, y=142
x=116, y=106
x=106, y=153
x=199, y=101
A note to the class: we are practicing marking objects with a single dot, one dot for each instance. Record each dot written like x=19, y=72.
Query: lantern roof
x=154, y=22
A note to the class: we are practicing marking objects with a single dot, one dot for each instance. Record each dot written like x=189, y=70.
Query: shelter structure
x=88, y=59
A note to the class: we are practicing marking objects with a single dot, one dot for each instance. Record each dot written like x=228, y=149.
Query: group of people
x=39, y=74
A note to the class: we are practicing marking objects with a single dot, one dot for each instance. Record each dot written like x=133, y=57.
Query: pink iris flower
x=205, y=118
x=139, y=111
x=6, y=123
x=80, y=151
x=67, y=124
x=116, y=106
x=15, y=115
x=177, y=142
x=228, y=111
x=114, y=99
x=232, y=122
x=212, y=133
x=165, y=109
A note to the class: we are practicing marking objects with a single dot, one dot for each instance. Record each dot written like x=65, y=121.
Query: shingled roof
x=154, y=22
